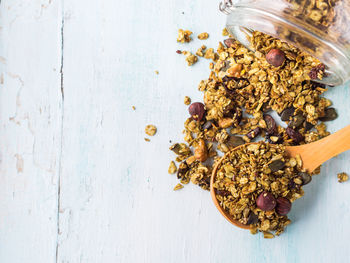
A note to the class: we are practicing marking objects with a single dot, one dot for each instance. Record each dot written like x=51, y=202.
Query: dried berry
x=266, y=201
x=283, y=206
x=275, y=57
x=294, y=135
x=229, y=42
x=287, y=113
x=222, y=192
x=276, y=165
x=330, y=115
x=319, y=69
x=305, y=177
x=235, y=114
x=271, y=125
x=178, y=51
x=197, y=111
x=253, y=133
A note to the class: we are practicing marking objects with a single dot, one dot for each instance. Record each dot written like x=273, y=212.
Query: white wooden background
x=77, y=181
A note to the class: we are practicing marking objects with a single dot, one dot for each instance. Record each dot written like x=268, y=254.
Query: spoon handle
x=316, y=153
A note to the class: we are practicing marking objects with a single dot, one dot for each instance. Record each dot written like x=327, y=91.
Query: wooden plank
x=116, y=196
x=30, y=121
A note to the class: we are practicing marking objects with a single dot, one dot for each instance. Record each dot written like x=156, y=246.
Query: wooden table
x=78, y=183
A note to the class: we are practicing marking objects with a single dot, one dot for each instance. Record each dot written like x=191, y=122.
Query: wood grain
x=30, y=134
x=85, y=154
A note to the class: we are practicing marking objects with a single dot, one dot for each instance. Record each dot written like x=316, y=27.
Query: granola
x=172, y=168
x=187, y=100
x=242, y=88
x=342, y=177
x=190, y=58
x=184, y=36
x=178, y=187
x=150, y=130
x=257, y=184
x=203, y=36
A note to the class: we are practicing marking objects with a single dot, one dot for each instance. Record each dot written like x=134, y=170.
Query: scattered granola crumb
x=133, y=107
x=178, y=187
x=147, y=140
x=150, y=130
x=184, y=36
x=203, y=36
x=187, y=100
x=210, y=54
x=172, y=168
x=268, y=235
x=342, y=177
x=191, y=59
x=225, y=32
x=201, y=50
x=157, y=72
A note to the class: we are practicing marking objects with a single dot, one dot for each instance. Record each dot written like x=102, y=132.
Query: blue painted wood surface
x=78, y=181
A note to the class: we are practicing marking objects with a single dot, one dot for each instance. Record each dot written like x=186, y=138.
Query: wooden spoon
x=312, y=155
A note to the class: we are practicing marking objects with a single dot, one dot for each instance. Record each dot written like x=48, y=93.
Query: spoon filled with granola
x=254, y=185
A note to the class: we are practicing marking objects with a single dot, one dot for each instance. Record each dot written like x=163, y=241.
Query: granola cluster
x=257, y=184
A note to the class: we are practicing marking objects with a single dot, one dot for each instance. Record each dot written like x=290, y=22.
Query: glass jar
x=318, y=27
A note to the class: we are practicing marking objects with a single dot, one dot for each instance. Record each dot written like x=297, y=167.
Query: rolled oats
x=178, y=187
x=172, y=168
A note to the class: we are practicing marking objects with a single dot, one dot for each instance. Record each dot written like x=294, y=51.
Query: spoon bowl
x=312, y=155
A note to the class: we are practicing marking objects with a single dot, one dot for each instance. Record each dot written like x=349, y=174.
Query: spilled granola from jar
x=244, y=87
x=256, y=185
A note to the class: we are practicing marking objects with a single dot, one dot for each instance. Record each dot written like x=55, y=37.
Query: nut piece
x=172, y=168
x=266, y=201
x=235, y=71
x=150, y=130
x=283, y=206
x=201, y=151
x=275, y=57
x=342, y=177
x=197, y=111
x=225, y=122
x=203, y=36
